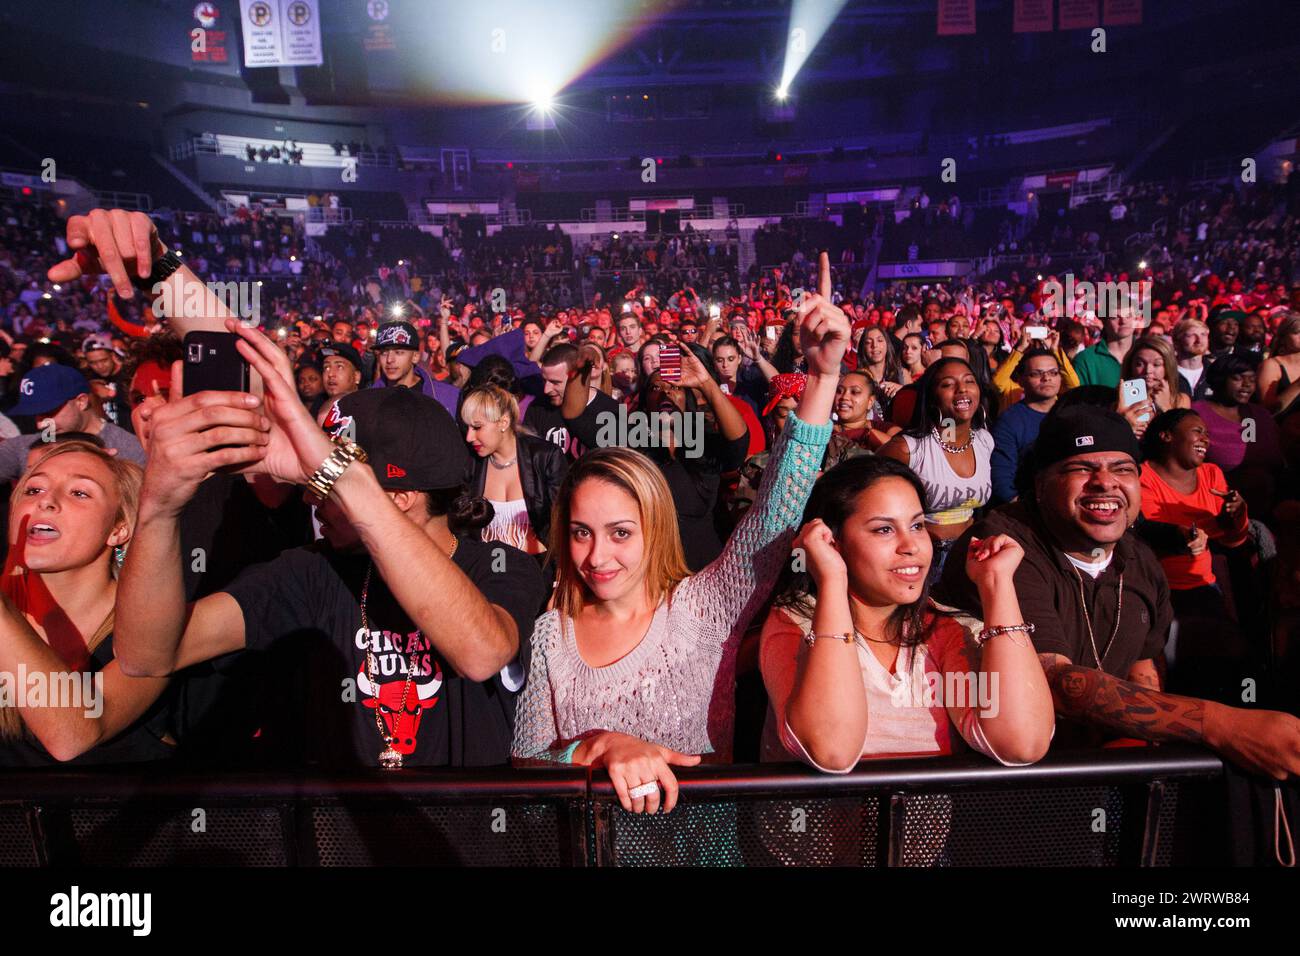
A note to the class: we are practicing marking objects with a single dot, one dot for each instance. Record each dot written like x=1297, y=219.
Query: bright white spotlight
x=544, y=104
x=781, y=93
x=809, y=21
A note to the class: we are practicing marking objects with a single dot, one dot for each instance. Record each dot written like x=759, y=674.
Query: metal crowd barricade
x=495, y=817
x=1146, y=806
x=1143, y=806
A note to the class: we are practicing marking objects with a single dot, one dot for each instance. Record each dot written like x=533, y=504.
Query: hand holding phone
x=212, y=364
x=670, y=363
x=1133, y=391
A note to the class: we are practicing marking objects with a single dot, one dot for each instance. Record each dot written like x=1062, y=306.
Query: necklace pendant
x=390, y=759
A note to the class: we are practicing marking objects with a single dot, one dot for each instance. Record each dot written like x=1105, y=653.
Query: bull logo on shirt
x=401, y=722
x=336, y=423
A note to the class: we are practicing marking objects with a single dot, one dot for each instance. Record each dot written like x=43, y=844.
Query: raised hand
x=296, y=446
x=994, y=557
x=1139, y=416
x=694, y=374
x=824, y=329
x=746, y=342
x=824, y=562
x=190, y=437
x=113, y=242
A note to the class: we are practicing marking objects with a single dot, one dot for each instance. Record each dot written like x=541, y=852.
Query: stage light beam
x=809, y=21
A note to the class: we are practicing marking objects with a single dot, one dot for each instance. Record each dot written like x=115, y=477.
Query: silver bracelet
x=989, y=633
x=810, y=638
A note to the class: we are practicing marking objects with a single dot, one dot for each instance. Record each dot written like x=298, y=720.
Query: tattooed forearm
x=1094, y=697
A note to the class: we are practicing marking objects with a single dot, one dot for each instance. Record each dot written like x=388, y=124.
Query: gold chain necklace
x=1087, y=618
x=389, y=758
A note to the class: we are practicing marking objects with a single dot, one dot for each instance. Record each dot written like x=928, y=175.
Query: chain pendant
x=390, y=759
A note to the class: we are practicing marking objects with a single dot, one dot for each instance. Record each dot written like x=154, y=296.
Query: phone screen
x=670, y=363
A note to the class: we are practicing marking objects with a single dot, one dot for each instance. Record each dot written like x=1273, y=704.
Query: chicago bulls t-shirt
x=306, y=603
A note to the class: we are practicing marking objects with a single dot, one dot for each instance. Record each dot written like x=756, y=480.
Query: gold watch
x=331, y=469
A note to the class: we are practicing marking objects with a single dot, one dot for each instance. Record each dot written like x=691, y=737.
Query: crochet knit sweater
x=677, y=687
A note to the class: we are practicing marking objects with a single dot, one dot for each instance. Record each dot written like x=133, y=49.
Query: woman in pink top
x=859, y=663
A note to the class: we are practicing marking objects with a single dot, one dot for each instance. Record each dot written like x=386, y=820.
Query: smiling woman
x=854, y=644
x=1187, y=503
x=949, y=448
x=70, y=517
x=634, y=668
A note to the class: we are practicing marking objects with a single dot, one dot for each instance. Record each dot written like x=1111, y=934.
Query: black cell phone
x=213, y=364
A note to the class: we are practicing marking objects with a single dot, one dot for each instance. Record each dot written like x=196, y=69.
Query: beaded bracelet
x=989, y=633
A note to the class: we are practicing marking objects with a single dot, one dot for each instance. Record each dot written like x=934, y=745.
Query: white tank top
x=953, y=499
x=510, y=524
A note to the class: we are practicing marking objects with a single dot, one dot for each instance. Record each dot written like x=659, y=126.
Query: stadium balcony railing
x=313, y=154
x=627, y=214
x=1133, y=806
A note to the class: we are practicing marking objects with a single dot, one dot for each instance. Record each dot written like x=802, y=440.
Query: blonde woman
x=601, y=375
x=1279, y=374
x=70, y=518
x=634, y=668
x=1152, y=359
x=518, y=473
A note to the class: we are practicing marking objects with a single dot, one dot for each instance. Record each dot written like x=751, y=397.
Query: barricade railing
x=1128, y=807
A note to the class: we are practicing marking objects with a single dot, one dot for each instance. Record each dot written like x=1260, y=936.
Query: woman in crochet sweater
x=634, y=668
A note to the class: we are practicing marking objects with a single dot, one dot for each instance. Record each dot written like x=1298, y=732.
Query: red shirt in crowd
x=1161, y=502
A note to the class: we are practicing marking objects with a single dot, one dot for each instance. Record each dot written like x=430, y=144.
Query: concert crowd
x=675, y=514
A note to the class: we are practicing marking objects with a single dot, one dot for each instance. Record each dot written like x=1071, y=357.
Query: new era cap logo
x=1082, y=440
x=395, y=472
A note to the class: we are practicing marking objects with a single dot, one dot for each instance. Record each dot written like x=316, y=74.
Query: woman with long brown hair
x=634, y=668
x=1152, y=359
x=70, y=519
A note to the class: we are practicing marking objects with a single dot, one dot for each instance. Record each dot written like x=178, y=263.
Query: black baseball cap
x=1080, y=430
x=412, y=441
x=397, y=335
x=342, y=350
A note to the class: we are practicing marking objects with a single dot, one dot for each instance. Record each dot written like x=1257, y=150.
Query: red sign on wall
x=1077, y=14
x=1121, y=13
x=956, y=17
x=1032, y=16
